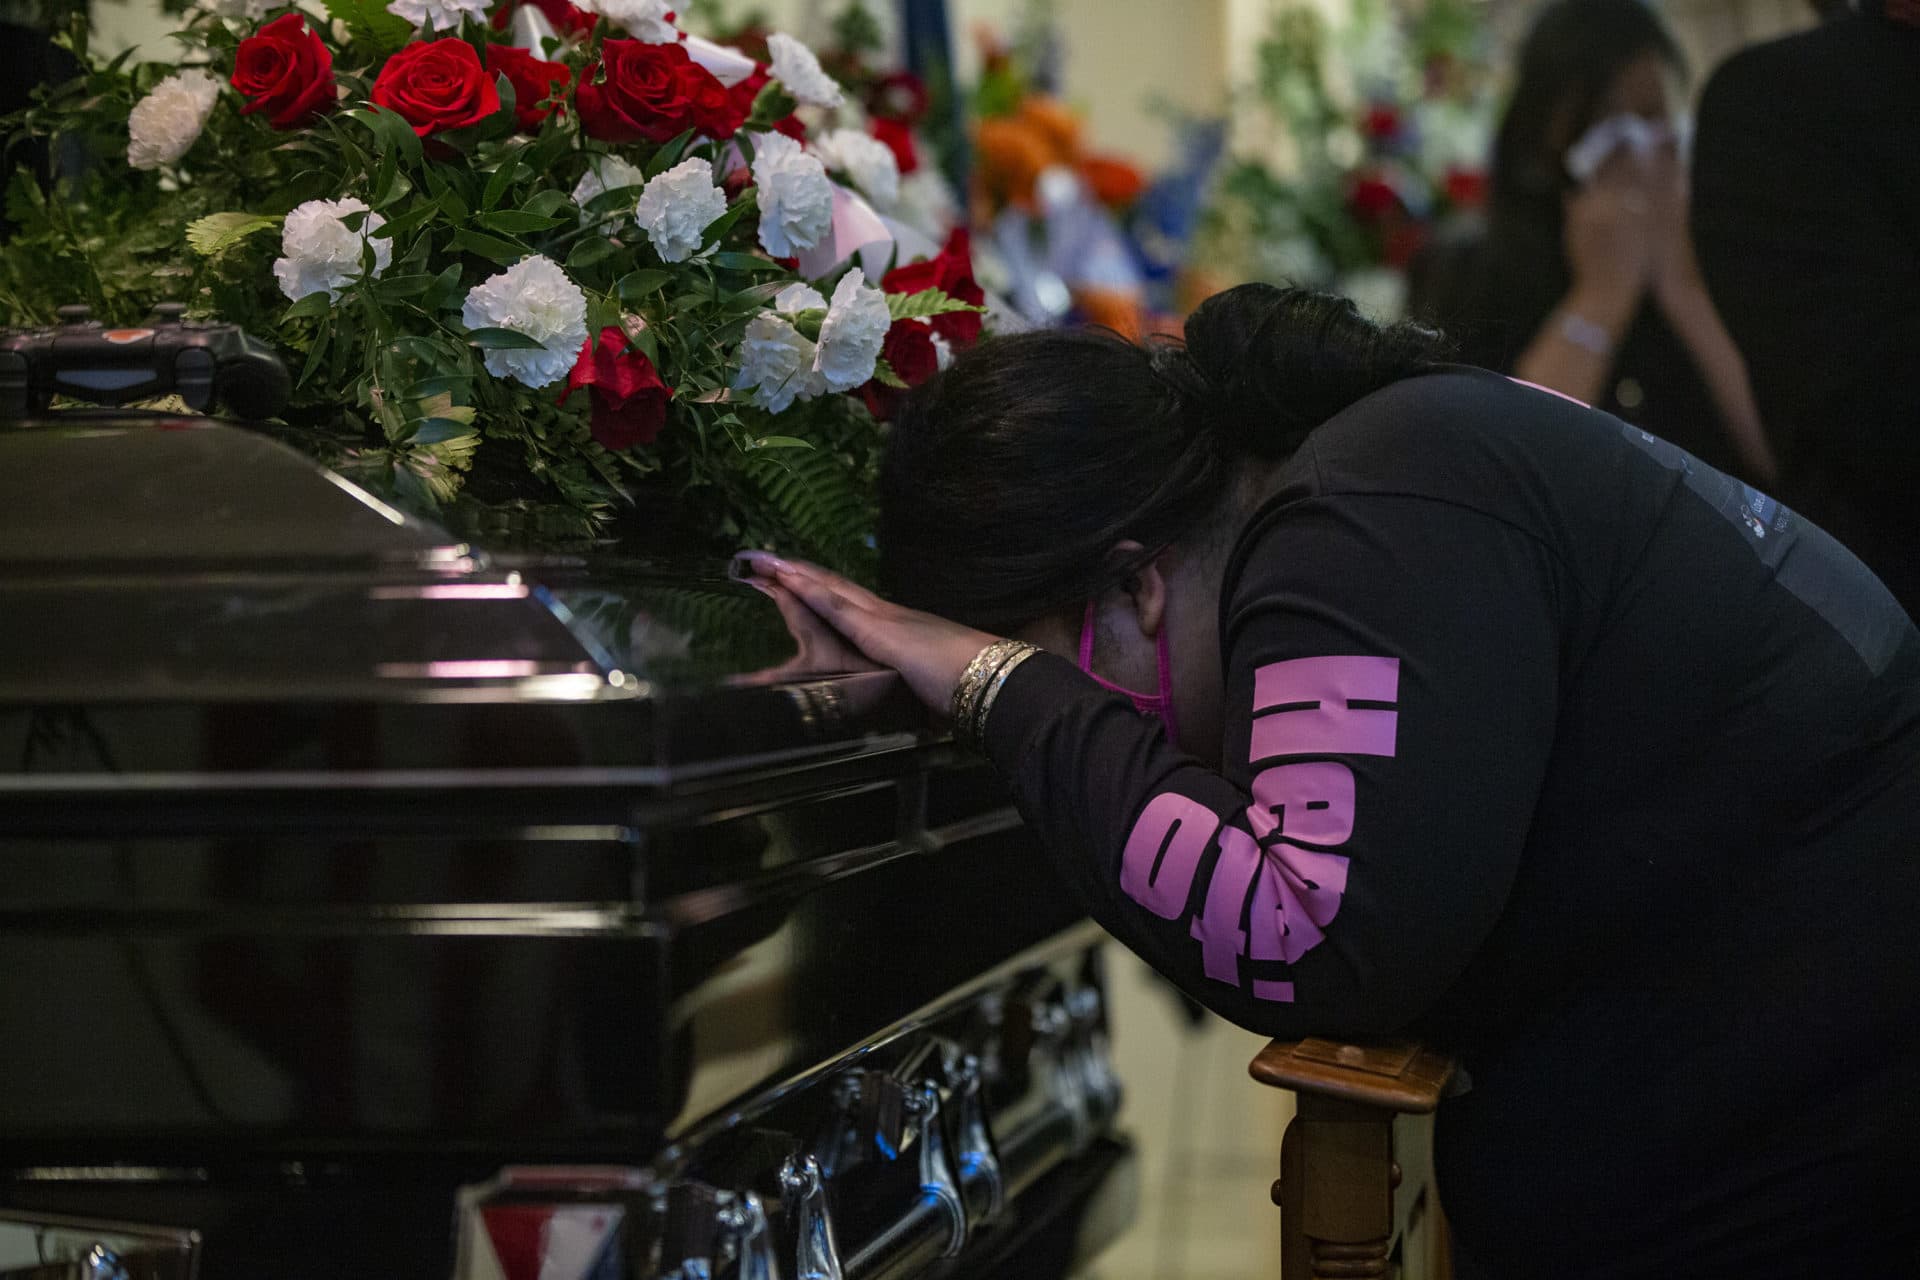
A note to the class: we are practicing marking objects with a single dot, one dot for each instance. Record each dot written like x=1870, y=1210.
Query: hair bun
x=1277, y=362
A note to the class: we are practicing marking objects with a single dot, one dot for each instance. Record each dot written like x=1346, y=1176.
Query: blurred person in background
x=1807, y=217
x=1584, y=280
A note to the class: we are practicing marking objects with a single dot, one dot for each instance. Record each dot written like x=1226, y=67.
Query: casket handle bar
x=745, y=1220
x=979, y=1160
x=804, y=1194
x=938, y=1181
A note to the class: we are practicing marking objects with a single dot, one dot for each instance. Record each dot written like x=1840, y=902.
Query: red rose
x=914, y=277
x=436, y=85
x=534, y=80
x=653, y=93
x=747, y=90
x=956, y=279
x=567, y=19
x=898, y=135
x=1371, y=199
x=1381, y=123
x=900, y=96
x=629, y=400
x=951, y=273
x=716, y=111
x=284, y=70
x=1466, y=188
x=910, y=352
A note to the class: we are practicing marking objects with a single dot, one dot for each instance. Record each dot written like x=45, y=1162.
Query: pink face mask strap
x=1086, y=638
x=1166, y=683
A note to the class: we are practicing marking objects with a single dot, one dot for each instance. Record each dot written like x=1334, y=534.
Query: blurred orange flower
x=1113, y=181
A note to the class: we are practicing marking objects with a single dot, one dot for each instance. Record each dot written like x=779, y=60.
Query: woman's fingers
x=765, y=564
x=819, y=649
x=847, y=615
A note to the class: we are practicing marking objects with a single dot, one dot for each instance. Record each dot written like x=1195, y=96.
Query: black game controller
x=204, y=364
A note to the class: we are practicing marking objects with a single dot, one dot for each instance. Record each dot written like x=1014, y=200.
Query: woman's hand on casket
x=929, y=652
x=819, y=650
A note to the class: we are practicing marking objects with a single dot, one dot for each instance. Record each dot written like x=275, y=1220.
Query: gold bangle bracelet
x=973, y=683
x=992, y=692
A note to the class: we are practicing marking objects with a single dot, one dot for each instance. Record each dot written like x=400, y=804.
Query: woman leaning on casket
x=1477, y=715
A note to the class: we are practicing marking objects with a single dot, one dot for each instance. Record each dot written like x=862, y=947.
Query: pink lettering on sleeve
x=1299, y=889
x=1217, y=927
x=1301, y=811
x=1303, y=707
x=1164, y=850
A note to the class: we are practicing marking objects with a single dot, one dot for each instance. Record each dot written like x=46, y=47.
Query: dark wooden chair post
x=1356, y=1163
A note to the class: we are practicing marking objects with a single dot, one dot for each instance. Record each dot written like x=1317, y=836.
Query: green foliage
x=369, y=20
x=217, y=232
x=927, y=302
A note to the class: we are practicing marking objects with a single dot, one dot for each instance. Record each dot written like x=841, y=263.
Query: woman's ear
x=1146, y=585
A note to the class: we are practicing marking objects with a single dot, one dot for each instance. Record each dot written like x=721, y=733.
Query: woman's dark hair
x=1572, y=55
x=1008, y=478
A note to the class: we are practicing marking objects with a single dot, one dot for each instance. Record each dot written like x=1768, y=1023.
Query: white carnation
x=606, y=173
x=942, y=351
x=438, y=15
x=322, y=253
x=852, y=334
x=927, y=203
x=168, y=121
x=796, y=200
x=797, y=297
x=533, y=297
x=776, y=359
x=240, y=10
x=776, y=363
x=795, y=67
x=648, y=21
x=869, y=162
x=678, y=206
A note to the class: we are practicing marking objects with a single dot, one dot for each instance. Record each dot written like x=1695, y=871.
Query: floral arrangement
x=551, y=273
x=1382, y=129
x=1056, y=208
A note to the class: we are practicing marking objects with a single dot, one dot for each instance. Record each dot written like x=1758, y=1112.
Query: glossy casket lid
x=166, y=562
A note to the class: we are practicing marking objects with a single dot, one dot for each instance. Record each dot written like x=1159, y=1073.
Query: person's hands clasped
x=1615, y=226
x=929, y=652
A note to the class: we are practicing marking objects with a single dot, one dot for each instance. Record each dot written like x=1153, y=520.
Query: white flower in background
x=795, y=67
x=678, y=206
x=648, y=21
x=533, y=297
x=869, y=162
x=438, y=15
x=942, y=351
x=1379, y=292
x=796, y=199
x=927, y=204
x=239, y=10
x=776, y=359
x=168, y=121
x=852, y=334
x=604, y=174
x=323, y=253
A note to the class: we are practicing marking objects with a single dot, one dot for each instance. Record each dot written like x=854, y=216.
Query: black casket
x=373, y=906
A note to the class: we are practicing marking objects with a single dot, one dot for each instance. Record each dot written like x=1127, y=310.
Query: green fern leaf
x=820, y=507
x=927, y=302
x=217, y=232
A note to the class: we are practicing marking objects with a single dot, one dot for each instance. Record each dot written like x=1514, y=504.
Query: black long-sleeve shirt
x=1566, y=752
